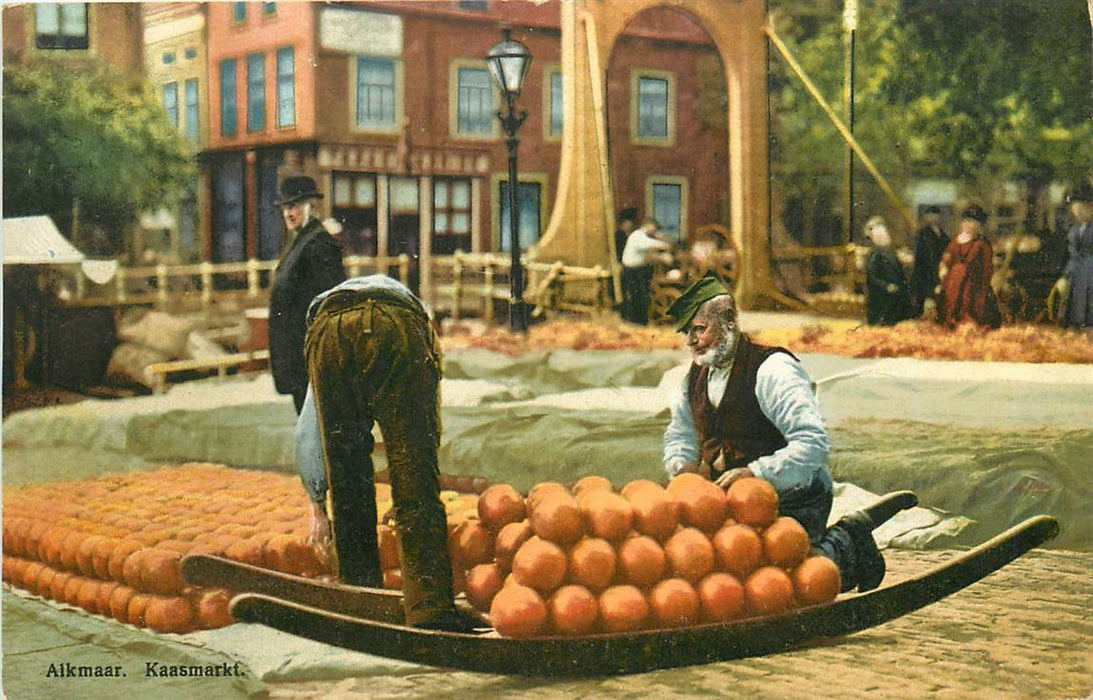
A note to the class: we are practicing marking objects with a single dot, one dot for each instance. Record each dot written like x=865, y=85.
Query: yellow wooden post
x=457, y=284
x=252, y=278
x=206, y=283
x=119, y=285
x=404, y=268
x=487, y=292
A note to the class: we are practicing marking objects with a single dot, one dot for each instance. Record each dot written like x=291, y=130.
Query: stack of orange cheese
x=561, y=560
x=590, y=559
x=112, y=545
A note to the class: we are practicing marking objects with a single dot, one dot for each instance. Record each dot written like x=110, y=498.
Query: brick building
x=110, y=32
x=390, y=106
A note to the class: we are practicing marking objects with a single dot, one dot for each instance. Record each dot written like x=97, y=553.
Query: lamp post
x=850, y=22
x=508, y=61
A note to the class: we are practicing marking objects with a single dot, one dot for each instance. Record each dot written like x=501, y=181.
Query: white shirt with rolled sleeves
x=786, y=397
x=642, y=248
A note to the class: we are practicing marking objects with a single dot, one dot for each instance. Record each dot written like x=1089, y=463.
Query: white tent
x=35, y=240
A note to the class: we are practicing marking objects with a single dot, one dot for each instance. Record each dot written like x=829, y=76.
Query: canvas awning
x=35, y=240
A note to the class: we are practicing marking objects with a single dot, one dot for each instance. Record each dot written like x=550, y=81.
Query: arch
x=582, y=221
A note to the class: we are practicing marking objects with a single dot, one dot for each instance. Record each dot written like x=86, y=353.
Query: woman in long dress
x=966, y=269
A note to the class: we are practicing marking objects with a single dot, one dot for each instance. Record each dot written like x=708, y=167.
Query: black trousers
x=635, y=293
x=373, y=358
x=811, y=505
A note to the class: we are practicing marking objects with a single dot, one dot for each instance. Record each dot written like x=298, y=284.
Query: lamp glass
x=508, y=62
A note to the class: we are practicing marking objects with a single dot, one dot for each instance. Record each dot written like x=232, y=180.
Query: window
x=228, y=126
x=667, y=199
x=170, y=102
x=475, y=105
x=555, y=100
x=190, y=53
x=256, y=92
x=193, y=126
x=376, y=92
x=476, y=5
x=239, y=12
x=61, y=26
x=451, y=216
x=286, y=87
x=652, y=119
x=527, y=199
x=269, y=8
x=652, y=108
x=168, y=58
x=354, y=205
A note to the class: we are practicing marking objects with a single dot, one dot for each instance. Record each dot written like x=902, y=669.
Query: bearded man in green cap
x=749, y=410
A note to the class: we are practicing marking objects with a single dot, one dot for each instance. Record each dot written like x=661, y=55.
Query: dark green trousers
x=373, y=357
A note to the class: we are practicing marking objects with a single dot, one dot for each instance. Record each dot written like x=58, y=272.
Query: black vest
x=737, y=428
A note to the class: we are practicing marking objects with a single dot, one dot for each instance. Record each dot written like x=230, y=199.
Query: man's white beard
x=720, y=354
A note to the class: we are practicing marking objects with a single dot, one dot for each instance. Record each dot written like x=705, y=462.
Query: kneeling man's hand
x=726, y=480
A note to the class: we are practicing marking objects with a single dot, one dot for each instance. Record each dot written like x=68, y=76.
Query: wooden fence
x=472, y=284
x=205, y=284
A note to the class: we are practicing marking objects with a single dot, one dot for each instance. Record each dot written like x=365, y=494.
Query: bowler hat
x=296, y=188
x=1084, y=193
x=975, y=213
x=686, y=306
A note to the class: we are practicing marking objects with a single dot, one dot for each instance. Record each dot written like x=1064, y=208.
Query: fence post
x=404, y=268
x=488, y=289
x=252, y=278
x=457, y=285
x=206, y=283
x=161, y=285
x=601, y=289
x=81, y=283
x=119, y=284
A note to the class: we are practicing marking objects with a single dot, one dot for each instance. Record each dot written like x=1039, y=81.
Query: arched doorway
x=581, y=227
x=667, y=129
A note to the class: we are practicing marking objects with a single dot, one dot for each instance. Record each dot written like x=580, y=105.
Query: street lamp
x=508, y=61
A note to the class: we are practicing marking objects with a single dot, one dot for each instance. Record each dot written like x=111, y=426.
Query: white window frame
x=549, y=71
x=636, y=75
x=453, y=102
x=684, y=197
x=538, y=178
x=399, y=120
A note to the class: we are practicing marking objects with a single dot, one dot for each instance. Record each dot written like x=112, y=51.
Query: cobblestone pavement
x=1024, y=632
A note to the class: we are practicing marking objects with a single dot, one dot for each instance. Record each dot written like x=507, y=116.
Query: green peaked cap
x=686, y=306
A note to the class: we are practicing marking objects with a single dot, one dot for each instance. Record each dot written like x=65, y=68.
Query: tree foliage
x=981, y=92
x=92, y=136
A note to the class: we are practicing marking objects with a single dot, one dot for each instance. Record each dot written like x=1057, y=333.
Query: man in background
x=310, y=265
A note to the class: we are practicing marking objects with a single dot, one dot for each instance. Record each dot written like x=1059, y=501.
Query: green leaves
x=977, y=92
x=87, y=133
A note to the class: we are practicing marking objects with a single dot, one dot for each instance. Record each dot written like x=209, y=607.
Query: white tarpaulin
x=35, y=240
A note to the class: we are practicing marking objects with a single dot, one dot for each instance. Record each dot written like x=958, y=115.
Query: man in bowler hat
x=310, y=265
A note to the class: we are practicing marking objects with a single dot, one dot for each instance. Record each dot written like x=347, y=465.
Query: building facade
x=390, y=106
x=110, y=32
x=175, y=49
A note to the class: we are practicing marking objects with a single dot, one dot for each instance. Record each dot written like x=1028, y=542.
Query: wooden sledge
x=636, y=652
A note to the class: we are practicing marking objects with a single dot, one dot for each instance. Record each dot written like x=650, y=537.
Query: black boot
x=452, y=621
x=869, y=563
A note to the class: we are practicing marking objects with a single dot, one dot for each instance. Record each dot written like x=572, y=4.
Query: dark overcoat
x=311, y=265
